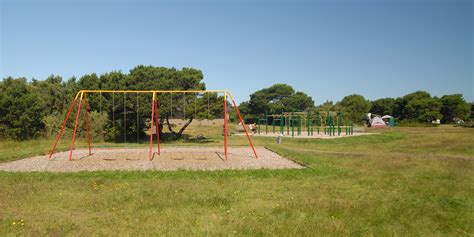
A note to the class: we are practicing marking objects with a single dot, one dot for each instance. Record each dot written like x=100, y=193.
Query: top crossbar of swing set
x=154, y=116
x=155, y=91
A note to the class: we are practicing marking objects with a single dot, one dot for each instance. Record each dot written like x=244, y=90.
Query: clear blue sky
x=328, y=49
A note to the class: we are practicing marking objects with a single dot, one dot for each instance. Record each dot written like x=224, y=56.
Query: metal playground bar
x=295, y=122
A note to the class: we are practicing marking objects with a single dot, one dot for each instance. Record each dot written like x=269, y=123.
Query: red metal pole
x=243, y=125
x=75, y=127
x=87, y=125
x=62, y=128
x=151, y=126
x=157, y=126
x=225, y=125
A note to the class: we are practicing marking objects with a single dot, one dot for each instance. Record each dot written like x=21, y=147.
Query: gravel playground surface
x=171, y=158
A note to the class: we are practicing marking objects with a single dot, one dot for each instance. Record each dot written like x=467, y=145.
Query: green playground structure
x=328, y=122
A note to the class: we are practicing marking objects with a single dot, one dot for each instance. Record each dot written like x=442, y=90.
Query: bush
x=52, y=125
x=97, y=123
x=468, y=124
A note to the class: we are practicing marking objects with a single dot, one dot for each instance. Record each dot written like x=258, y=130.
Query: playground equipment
x=324, y=122
x=82, y=97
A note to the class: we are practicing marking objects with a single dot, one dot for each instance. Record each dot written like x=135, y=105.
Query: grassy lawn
x=406, y=181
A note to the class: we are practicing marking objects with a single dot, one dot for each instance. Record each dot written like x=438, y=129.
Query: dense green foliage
x=29, y=109
x=32, y=108
x=354, y=107
x=413, y=108
x=383, y=106
x=275, y=99
x=454, y=106
x=20, y=110
x=421, y=107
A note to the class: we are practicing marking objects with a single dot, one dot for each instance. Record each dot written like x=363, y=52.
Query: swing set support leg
x=151, y=127
x=75, y=127
x=243, y=125
x=63, y=127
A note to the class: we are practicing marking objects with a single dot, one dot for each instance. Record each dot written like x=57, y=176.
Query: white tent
x=377, y=122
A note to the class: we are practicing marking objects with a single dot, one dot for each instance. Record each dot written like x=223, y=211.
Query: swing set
x=82, y=97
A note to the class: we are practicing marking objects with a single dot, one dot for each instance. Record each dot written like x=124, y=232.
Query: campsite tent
x=377, y=122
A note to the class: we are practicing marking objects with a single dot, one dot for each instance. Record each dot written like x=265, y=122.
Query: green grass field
x=406, y=181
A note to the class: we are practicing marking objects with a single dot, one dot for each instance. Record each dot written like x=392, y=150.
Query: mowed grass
x=405, y=181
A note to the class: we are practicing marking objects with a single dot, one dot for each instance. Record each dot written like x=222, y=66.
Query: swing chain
x=100, y=102
x=124, y=119
x=113, y=109
x=138, y=122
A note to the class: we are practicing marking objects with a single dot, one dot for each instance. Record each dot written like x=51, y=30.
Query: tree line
x=29, y=109
x=416, y=107
x=32, y=108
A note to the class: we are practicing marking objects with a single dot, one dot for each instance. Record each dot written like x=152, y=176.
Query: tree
x=53, y=95
x=187, y=105
x=20, y=110
x=122, y=108
x=277, y=98
x=354, y=107
x=471, y=117
x=454, y=106
x=328, y=105
x=383, y=106
x=298, y=101
x=244, y=108
x=419, y=106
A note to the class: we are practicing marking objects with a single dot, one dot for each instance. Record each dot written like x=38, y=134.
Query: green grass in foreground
x=409, y=181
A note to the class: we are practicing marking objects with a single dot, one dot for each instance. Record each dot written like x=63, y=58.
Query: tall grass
x=405, y=181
